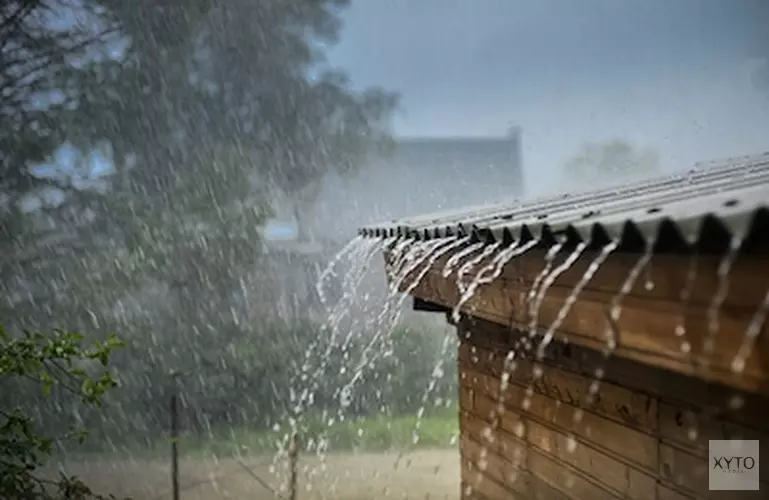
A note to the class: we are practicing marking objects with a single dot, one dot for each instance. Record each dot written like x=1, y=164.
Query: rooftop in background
x=421, y=175
x=484, y=157
x=705, y=207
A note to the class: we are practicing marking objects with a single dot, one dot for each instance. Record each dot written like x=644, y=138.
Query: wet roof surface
x=704, y=207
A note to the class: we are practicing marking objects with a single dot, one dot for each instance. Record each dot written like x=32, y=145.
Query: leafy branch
x=52, y=361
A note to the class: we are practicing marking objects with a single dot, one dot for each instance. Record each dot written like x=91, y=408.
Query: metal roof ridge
x=685, y=199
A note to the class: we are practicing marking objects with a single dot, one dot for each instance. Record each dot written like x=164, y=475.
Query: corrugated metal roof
x=724, y=199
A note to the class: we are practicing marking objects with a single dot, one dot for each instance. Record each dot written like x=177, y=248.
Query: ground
x=424, y=474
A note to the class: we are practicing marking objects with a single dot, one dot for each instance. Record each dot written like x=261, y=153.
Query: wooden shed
x=606, y=337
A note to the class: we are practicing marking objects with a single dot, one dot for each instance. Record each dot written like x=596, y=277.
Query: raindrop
x=571, y=444
x=572, y=298
x=686, y=294
x=719, y=297
x=751, y=334
x=627, y=285
x=736, y=402
x=530, y=298
x=649, y=280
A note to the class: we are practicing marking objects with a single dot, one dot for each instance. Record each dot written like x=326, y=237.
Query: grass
x=438, y=428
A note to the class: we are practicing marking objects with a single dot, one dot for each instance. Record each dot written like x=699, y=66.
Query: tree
x=205, y=108
x=201, y=75
x=197, y=81
x=611, y=160
x=210, y=107
x=215, y=99
x=37, y=58
x=41, y=58
x=49, y=364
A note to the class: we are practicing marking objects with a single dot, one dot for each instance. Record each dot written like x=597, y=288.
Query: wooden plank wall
x=644, y=436
x=650, y=316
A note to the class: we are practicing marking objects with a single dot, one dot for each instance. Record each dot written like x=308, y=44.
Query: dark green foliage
x=207, y=74
x=35, y=366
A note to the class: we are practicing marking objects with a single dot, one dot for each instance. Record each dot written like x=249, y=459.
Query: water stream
x=532, y=295
x=591, y=270
x=410, y=261
x=612, y=333
x=434, y=249
x=454, y=260
x=754, y=329
x=685, y=299
x=470, y=265
x=352, y=246
x=548, y=281
x=491, y=272
x=719, y=298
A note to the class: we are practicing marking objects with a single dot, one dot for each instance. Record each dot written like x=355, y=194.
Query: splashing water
x=435, y=377
x=452, y=261
x=549, y=281
x=685, y=298
x=356, y=253
x=486, y=275
x=549, y=259
x=592, y=269
x=719, y=297
x=351, y=284
x=441, y=248
x=755, y=326
x=385, y=322
x=504, y=257
x=352, y=246
x=612, y=329
x=615, y=307
x=403, y=254
x=493, y=270
x=360, y=255
x=303, y=389
x=469, y=265
x=403, y=265
x=420, y=253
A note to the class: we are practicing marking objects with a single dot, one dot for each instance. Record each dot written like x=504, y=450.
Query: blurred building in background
x=419, y=175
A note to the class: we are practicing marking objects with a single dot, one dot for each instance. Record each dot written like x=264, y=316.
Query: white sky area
x=675, y=76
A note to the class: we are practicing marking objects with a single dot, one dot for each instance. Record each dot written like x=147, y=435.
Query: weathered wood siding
x=644, y=436
x=652, y=312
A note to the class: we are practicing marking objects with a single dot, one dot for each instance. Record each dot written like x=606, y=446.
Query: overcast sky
x=674, y=75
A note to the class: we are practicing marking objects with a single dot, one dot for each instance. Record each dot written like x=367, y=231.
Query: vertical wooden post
x=293, y=457
x=175, y=443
